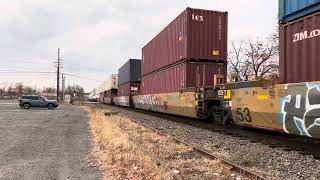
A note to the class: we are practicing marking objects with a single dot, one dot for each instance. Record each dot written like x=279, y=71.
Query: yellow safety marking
x=263, y=97
x=215, y=53
x=227, y=95
x=182, y=99
x=165, y=98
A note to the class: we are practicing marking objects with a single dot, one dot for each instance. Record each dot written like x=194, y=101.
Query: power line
x=26, y=72
x=47, y=72
x=70, y=66
x=81, y=77
x=28, y=61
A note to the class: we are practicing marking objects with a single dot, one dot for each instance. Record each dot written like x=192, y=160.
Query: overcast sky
x=97, y=36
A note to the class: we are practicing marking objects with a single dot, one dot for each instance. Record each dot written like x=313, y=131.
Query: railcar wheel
x=220, y=115
x=228, y=119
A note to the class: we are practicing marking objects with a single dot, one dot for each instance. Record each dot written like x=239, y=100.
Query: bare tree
x=10, y=89
x=238, y=66
x=28, y=90
x=3, y=89
x=261, y=57
x=49, y=90
x=70, y=90
x=19, y=87
x=255, y=59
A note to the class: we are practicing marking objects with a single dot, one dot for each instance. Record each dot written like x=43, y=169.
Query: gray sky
x=97, y=36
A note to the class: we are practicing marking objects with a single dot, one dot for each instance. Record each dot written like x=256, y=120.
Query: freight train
x=183, y=72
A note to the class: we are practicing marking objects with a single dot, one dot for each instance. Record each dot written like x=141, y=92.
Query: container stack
x=188, y=53
x=299, y=22
x=108, y=89
x=129, y=78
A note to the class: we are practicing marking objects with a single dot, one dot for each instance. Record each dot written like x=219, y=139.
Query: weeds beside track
x=259, y=151
x=236, y=168
x=176, y=159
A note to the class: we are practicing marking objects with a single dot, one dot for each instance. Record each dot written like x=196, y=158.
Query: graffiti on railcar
x=149, y=102
x=300, y=111
x=122, y=101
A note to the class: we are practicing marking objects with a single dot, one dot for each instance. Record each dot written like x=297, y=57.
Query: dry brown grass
x=178, y=156
x=118, y=156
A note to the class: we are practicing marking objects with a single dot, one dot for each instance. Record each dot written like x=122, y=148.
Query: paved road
x=44, y=144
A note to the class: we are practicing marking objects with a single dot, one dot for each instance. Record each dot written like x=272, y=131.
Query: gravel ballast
x=271, y=162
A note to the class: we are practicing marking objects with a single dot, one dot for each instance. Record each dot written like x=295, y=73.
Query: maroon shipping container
x=182, y=76
x=101, y=95
x=299, y=50
x=199, y=35
x=129, y=88
x=108, y=96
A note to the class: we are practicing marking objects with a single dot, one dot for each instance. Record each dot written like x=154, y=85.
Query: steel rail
x=272, y=138
x=241, y=170
x=159, y=161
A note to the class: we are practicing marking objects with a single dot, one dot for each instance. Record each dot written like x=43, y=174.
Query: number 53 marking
x=244, y=114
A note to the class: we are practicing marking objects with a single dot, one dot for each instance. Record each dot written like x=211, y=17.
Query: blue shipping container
x=290, y=10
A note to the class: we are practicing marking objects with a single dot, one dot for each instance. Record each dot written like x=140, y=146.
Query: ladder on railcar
x=201, y=101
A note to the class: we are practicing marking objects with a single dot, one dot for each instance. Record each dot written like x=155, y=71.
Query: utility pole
x=58, y=74
x=63, y=86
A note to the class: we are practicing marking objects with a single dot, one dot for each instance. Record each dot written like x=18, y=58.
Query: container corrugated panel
x=290, y=10
x=194, y=35
x=180, y=77
x=108, y=96
x=110, y=93
x=299, y=50
x=130, y=71
x=135, y=70
x=129, y=88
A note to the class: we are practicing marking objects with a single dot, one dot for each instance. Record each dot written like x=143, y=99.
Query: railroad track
x=303, y=145
x=235, y=168
x=282, y=143
x=160, y=163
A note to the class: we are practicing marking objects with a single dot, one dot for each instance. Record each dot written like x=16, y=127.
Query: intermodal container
x=129, y=88
x=108, y=96
x=299, y=50
x=130, y=71
x=110, y=93
x=290, y=10
x=101, y=96
x=181, y=77
x=110, y=83
x=196, y=34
